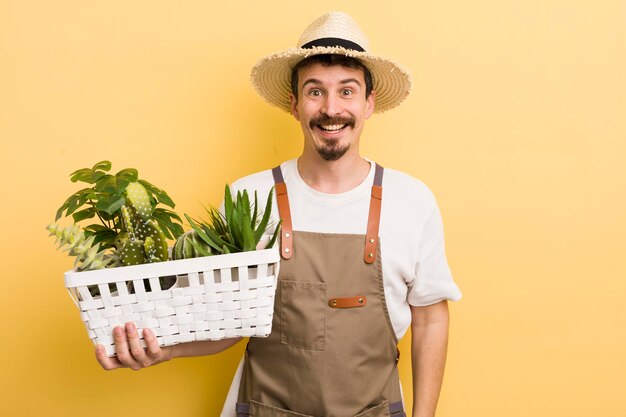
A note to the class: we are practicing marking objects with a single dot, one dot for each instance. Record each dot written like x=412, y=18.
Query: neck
x=333, y=177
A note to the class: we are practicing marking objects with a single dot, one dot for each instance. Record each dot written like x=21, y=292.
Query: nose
x=331, y=106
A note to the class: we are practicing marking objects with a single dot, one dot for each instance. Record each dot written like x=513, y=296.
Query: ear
x=294, y=106
x=370, y=104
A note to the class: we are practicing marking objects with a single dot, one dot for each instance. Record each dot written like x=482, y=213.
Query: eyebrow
x=346, y=81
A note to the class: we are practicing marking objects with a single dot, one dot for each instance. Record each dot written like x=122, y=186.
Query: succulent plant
x=184, y=247
x=239, y=229
x=88, y=256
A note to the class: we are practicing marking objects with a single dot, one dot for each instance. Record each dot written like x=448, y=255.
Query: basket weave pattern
x=215, y=297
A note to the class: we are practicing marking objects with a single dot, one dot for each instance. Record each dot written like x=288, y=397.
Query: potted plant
x=130, y=227
x=122, y=272
x=242, y=227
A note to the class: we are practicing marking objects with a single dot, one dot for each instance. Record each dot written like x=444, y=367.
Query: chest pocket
x=303, y=314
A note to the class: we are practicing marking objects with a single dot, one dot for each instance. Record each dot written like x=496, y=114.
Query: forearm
x=429, y=350
x=208, y=347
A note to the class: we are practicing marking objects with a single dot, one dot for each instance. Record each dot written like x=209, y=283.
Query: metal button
x=360, y=300
x=371, y=240
x=333, y=303
x=286, y=250
x=287, y=235
x=371, y=255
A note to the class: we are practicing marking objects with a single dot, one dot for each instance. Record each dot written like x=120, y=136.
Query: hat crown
x=334, y=25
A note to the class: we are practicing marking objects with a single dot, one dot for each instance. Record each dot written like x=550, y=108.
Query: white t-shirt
x=414, y=264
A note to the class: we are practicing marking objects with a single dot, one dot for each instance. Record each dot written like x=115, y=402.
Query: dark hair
x=328, y=60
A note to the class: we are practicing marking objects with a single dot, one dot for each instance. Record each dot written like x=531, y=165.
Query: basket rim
x=75, y=279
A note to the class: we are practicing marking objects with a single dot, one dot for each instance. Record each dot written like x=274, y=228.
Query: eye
x=347, y=92
x=315, y=92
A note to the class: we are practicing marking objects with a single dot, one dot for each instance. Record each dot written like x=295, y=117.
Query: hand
x=130, y=353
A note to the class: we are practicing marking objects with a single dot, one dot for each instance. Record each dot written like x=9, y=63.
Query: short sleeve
x=433, y=280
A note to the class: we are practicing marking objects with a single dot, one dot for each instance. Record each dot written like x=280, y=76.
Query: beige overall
x=332, y=351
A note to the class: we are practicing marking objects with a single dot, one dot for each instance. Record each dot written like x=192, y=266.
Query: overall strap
x=373, y=221
x=286, y=241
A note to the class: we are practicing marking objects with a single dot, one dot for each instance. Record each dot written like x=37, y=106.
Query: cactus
x=144, y=241
x=88, y=256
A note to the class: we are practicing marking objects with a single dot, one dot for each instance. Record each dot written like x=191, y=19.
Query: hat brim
x=271, y=76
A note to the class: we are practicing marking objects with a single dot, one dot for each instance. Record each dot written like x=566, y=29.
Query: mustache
x=328, y=120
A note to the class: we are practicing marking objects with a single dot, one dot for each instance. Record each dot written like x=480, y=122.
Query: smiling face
x=332, y=108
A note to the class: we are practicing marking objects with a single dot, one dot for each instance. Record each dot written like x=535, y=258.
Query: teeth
x=332, y=127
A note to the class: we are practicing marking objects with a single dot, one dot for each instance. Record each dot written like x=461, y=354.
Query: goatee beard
x=332, y=151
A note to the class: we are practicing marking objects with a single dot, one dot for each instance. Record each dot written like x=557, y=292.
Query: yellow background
x=516, y=121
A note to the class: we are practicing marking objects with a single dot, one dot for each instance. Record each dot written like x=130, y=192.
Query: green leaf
x=166, y=214
x=86, y=175
x=167, y=219
x=247, y=234
x=130, y=174
x=256, y=209
x=201, y=231
x=262, y=227
x=110, y=204
x=217, y=221
x=228, y=203
x=219, y=217
x=176, y=229
x=60, y=211
x=107, y=184
x=246, y=204
x=81, y=200
x=125, y=177
x=83, y=175
x=122, y=184
x=170, y=229
x=197, y=228
x=104, y=165
x=96, y=176
x=275, y=235
x=95, y=228
x=165, y=229
x=73, y=204
x=65, y=205
x=234, y=227
x=106, y=238
x=87, y=213
x=160, y=195
x=218, y=242
x=107, y=216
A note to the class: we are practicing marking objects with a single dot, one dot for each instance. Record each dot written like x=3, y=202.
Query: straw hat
x=332, y=33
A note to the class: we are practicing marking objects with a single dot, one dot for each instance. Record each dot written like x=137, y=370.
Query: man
x=357, y=269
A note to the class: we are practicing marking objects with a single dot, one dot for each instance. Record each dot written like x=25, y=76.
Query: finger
x=106, y=362
x=153, y=350
x=134, y=344
x=122, y=349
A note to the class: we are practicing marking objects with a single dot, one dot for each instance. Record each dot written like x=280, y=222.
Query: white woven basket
x=214, y=297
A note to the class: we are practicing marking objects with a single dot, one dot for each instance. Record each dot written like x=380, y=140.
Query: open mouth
x=332, y=128
x=331, y=125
